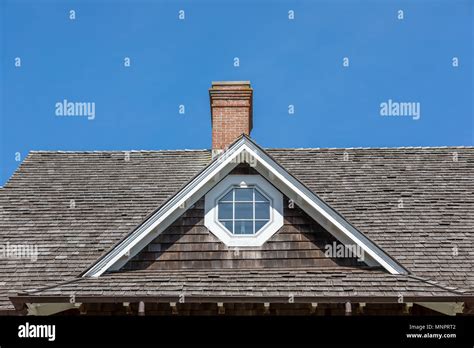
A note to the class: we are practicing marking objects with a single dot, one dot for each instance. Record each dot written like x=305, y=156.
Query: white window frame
x=243, y=240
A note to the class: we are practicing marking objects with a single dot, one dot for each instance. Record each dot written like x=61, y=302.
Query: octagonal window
x=243, y=210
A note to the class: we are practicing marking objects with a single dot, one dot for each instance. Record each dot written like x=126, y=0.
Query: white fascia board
x=324, y=210
x=125, y=248
x=209, y=177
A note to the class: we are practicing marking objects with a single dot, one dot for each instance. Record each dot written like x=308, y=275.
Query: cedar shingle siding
x=188, y=244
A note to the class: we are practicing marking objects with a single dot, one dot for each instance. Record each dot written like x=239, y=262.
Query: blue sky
x=173, y=61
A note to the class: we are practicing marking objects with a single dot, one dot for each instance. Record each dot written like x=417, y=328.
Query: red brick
x=231, y=112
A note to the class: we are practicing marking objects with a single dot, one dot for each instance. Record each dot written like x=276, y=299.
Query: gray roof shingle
x=339, y=282
x=74, y=206
x=416, y=203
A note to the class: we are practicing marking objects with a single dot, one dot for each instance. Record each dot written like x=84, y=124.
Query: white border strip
x=243, y=144
x=174, y=203
x=315, y=202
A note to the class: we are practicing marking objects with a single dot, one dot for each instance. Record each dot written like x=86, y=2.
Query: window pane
x=228, y=225
x=243, y=227
x=259, y=225
x=225, y=211
x=243, y=211
x=243, y=194
x=260, y=197
x=228, y=196
x=262, y=211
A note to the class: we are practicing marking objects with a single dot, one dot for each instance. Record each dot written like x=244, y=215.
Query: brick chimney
x=231, y=112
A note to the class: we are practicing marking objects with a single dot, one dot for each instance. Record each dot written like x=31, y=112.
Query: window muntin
x=243, y=211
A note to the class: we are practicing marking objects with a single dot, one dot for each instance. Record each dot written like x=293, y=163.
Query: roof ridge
x=116, y=151
x=266, y=148
x=373, y=148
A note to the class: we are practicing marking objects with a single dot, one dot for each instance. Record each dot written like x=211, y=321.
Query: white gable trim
x=322, y=212
x=209, y=177
x=169, y=212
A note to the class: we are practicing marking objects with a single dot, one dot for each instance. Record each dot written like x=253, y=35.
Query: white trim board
x=243, y=150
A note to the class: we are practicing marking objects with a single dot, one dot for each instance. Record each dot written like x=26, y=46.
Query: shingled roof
x=75, y=205
x=415, y=203
x=225, y=285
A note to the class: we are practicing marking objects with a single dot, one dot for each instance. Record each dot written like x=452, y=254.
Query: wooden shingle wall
x=188, y=244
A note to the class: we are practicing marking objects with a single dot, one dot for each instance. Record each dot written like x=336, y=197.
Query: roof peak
x=266, y=148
